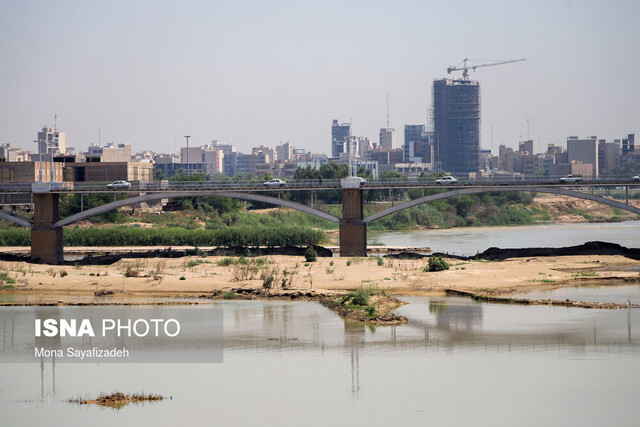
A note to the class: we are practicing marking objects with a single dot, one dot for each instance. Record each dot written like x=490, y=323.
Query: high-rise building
x=629, y=153
x=284, y=151
x=211, y=157
x=584, y=151
x=387, y=138
x=52, y=141
x=526, y=146
x=230, y=156
x=339, y=135
x=456, y=111
x=418, y=144
x=608, y=155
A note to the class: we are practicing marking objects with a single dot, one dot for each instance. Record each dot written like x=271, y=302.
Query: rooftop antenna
x=491, y=137
x=188, y=168
x=55, y=122
x=528, y=129
x=387, y=110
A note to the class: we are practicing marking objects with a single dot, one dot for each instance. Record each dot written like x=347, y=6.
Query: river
x=456, y=362
x=469, y=241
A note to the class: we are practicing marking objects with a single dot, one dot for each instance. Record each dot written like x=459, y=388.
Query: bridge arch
x=16, y=219
x=157, y=196
x=477, y=190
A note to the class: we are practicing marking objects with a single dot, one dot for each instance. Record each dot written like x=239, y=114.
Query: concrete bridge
x=47, y=226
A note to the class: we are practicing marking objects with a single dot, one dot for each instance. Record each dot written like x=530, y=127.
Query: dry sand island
x=197, y=275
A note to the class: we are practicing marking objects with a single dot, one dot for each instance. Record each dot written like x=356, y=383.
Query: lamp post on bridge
x=39, y=141
x=188, y=169
x=51, y=156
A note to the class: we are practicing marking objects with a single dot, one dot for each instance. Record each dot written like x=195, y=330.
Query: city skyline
x=249, y=74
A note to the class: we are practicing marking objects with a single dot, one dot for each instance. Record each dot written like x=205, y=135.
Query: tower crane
x=465, y=68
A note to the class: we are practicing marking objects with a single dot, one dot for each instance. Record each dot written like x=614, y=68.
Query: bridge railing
x=292, y=184
x=16, y=187
x=222, y=185
x=498, y=180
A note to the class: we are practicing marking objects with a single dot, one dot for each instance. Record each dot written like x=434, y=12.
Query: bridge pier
x=353, y=231
x=46, y=240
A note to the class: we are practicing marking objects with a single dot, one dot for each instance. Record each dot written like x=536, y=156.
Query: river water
x=456, y=362
x=470, y=241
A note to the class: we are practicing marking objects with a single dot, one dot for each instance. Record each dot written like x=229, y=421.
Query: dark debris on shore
x=498, y=254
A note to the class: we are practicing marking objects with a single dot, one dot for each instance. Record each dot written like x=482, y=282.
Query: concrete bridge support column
x=46, y=240
x=353, y=232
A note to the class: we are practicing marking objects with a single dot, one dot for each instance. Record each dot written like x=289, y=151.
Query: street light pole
x=39, y=158
x=51, y=155
x=350, y=156
x=188, y=168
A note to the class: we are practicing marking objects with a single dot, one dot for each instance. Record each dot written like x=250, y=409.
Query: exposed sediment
x=525, y=301
x=118, y=400
x=589, y=248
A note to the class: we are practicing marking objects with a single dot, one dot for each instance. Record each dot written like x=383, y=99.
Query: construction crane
x=465, y=68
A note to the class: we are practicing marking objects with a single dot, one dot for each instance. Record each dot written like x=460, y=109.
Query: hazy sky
x=264, y=72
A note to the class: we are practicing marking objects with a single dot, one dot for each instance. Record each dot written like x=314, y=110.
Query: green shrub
x=437, y=263
x=380, y=261
x=310, y=255
x=229, y=295
x=360, y=297
x=133, y=236
x=267, y=283
x=5, y=278
x=225, y=262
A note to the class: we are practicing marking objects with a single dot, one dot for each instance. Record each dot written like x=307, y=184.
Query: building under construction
x=456, y=116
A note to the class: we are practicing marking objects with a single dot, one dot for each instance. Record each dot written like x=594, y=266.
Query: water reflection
x=354, y=341
x=435, y=323
x=460, y=316
x=302, y=353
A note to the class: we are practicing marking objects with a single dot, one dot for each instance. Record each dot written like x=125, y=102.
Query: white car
x=119, y=185
x=362, y=180
x=446, y=180
x=571, y=178
x=276, y=182
x=635, y=178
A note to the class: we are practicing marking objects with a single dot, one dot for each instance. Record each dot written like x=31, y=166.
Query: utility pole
x=188, y=168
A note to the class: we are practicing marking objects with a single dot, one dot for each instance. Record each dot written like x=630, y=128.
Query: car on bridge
x=276, y=182
x=635, y=178
x=446, y=180
x=119, y=185
x=571, y=178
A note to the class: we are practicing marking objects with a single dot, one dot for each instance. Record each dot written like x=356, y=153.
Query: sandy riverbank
x=193, y=276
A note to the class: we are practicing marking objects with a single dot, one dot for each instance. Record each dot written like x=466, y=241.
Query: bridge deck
x=301, y=185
